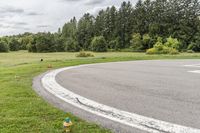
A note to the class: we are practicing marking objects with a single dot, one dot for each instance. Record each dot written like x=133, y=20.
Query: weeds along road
x=165, y=90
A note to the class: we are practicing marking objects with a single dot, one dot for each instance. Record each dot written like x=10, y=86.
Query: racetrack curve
x=163, y=90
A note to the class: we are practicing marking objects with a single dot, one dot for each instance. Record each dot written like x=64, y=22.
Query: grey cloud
x=96, y=10
x=21, y=23
x=3, y=26
x=33, y=14
x=19, y=27
x=2, y=19
x=94, y=2
x=43, y=26
x=86, y=2
x=13, y=25
x=17, y=16
x=8, y=22
x=26, y=29
x=71, y=0
x=10, y=10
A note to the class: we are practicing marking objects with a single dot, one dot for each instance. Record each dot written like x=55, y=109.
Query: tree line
x=136, y=28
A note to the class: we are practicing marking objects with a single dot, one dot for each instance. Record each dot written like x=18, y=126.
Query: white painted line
x=196, y=71
x=193, y=65
x=134, y=120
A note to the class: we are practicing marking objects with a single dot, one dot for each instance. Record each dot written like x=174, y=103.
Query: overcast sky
x=18, y=16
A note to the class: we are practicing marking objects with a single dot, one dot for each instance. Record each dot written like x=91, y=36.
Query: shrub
x=99, y=44
x=24, y=41
x=184, y=50
x=151, y=51
x=3, y=46
x=141, y=43
x=173, y=51
x=160, y=48
x=136, y=42
x=165, y=50
x=32, y=45
x=190, y=51
x=59, y=44
x=113, y=44
x=194, y=47
x=14, y=45
x=173, y=43
x=84, y=54
x=71, y=45
x=147, y=41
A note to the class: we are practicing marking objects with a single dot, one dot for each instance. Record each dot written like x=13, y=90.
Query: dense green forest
x=161, y=25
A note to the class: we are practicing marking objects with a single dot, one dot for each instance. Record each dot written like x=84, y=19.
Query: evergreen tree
x=99, y=24
x=85, y=31
x=124, y=24
x=129, y=26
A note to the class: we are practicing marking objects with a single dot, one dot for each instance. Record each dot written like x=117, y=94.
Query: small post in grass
x=49, y=66
x=67, y=125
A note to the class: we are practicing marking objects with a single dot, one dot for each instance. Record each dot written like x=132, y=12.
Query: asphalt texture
x=163, y=90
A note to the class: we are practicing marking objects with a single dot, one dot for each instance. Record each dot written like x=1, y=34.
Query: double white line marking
x=130, y=119
x=194, y=66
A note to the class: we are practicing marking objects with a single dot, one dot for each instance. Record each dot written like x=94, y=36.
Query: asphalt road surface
x=164, y=90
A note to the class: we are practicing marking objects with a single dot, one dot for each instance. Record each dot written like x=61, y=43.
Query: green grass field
x=22, y=111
